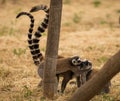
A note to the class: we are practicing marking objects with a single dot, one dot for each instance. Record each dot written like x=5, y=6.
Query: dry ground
x=89, y=29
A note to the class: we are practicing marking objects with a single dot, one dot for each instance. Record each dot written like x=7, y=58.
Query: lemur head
x=85, y=65
x=82, y=65
x=75, y=61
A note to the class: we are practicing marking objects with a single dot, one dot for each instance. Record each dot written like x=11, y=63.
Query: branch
x=93, y=86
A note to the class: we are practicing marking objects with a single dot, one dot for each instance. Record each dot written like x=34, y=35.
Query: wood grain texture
x=49, y=82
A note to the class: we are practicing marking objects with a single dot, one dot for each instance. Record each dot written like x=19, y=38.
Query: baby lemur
x=88, y=75
x=64, y=65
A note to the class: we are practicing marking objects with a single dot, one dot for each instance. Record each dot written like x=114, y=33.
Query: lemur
x=86, y=76
x=68, y=75
x=64, y=65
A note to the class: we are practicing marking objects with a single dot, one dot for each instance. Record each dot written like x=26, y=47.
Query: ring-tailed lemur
x=64, y=64
x=85, y=65
x=36, y=8
x=84, y=77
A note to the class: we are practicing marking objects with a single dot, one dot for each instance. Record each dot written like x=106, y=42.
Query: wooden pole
x=93, y=86
x=49, y=80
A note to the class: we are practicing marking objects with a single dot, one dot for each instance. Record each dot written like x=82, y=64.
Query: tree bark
x=49, y=80
x=93, y=86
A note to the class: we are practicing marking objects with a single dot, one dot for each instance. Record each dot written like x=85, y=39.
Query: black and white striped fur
x=34, y=42
x=63, y=64
x=30, y=29
x=36, y=51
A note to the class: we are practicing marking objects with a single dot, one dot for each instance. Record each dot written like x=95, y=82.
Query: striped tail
x=37, y=56
x=29, y=31
x=31, y=25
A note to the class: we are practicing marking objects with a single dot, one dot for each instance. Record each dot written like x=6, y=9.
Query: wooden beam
x=49, y=80
x=93, y=86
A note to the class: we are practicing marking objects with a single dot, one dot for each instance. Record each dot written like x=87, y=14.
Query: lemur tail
x=30, y=41
x=35, y=51
x=31, y=25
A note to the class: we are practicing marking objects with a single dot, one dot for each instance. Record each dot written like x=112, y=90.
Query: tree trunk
x=93, y=86
x=49, y=80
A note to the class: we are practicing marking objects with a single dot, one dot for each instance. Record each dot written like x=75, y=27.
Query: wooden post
x=49, y=80
x=93, y=86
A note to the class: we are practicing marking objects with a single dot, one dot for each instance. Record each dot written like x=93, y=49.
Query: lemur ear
x=79, y=60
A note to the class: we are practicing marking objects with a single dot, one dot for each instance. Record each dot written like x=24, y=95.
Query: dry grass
x=89, y=29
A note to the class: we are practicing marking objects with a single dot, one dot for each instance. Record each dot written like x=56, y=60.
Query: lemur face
x=75, y=60
x=85, y=65
x=82, y=65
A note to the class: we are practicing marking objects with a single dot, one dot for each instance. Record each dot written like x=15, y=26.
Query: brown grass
x=89, y=31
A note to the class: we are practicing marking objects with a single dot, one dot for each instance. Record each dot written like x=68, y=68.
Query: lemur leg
x=78, y=81
x=83, y=78
x=57, y=75
x=66, y=79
